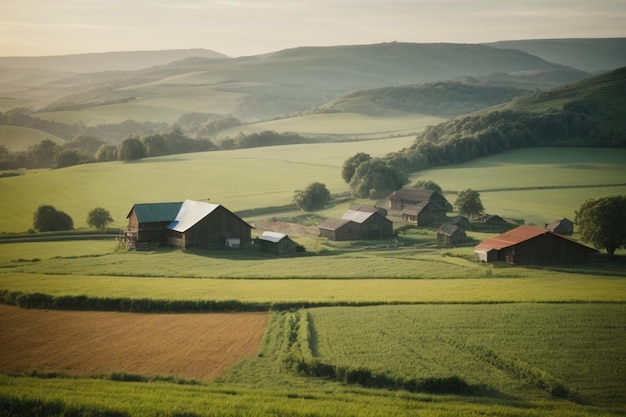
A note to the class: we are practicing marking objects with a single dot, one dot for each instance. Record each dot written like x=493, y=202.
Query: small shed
x=563, y=227
x=449, y=234
x=277, y=243
x=529, y=245
x=460, y=221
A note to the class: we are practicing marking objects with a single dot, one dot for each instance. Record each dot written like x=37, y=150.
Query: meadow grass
x=242, y=179
x=501, y=346
x=350, y=125
x=17, y=138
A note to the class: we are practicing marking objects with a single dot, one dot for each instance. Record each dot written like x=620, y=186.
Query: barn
x=449, y=234
x=563, y=227
x=420, y=206
x=147, y=224
x=277, y=243
x=205, y=225
x=529, y=245
x=357, y=224
x=184, y=224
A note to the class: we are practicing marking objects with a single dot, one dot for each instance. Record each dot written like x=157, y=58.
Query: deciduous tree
x=47, y=219
x=314, y=197
x=99, y=218
x=351, y=164
x=602, y=222
x=468, y=202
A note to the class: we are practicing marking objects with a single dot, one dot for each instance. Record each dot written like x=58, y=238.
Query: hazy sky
x=250, y=27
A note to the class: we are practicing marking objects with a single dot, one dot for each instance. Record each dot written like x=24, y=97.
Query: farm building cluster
x=195, y=224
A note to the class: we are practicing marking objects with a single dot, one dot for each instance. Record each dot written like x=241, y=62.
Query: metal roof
x=273, y=237
x=155, y=212
x=191, y=212
x=333, y=224
x=357, y=216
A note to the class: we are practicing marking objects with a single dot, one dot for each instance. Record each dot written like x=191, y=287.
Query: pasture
x=525, y=341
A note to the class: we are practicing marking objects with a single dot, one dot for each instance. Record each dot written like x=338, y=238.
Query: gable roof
x=412, y=194
x=155, y=212
x=564, y=221
x=518, y=235
x=357, y=216
x=273, y=237
x=333, y=224
x=190, y=213
x=449, y=229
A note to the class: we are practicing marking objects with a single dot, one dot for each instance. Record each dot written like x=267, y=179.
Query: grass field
x=252, y=178
x=18, y=139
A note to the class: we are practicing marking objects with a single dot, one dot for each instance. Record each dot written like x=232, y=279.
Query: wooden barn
x=460, y=221
x=449, y=234
x=184, y=224
x=529, y=245
x=355, y=225
x=278, y=243
x=563, y=227
x=419, y=206
x=205, y=225
x=147, y=224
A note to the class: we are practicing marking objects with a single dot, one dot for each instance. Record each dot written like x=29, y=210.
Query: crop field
x=91, y=343
x=513, y=349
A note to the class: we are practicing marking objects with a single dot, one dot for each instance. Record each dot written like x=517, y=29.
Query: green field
x=18, y=139
x=263, y=177
x=519, y=341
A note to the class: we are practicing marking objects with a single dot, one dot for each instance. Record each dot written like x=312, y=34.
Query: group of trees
x=372, y=177
x=48, y=219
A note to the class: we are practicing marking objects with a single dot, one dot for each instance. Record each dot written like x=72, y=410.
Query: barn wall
x=546, y=250
x=376, y=226
x=213, y=230
x=349, y=231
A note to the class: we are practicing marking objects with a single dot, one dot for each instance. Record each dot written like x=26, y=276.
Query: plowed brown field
x=200, y=346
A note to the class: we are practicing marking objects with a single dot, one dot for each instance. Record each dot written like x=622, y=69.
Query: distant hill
x=279, y=83
x=442, y=98
x=591, y=55
x=586, y=113
x=106, y=61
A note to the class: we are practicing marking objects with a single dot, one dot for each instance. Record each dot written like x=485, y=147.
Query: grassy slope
x=17, y=138
x=290, y=80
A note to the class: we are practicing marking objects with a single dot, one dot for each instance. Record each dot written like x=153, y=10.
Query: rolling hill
x=265, y=86
x=591, y=55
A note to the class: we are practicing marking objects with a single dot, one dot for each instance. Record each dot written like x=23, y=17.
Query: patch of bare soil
x=293, y=229
x=198, y=346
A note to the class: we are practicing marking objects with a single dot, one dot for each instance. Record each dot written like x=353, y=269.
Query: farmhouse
x=365, y=223
x=449, y=234
x=529, y=245
x=185, y=224
x=420, y=206
x=563, y=227
x=278, y=243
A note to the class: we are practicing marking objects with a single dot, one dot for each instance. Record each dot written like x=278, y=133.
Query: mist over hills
x=591, y=55
x=262, y=86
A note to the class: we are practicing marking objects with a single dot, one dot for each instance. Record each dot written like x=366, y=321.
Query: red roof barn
x=529, y=245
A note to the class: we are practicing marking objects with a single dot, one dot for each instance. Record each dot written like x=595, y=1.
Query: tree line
x=85, y=149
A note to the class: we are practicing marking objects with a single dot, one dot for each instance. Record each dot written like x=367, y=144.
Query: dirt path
x=200, y=346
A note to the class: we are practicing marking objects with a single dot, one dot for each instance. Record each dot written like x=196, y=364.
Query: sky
x=250, y=27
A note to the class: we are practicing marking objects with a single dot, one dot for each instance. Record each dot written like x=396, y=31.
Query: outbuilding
x=449, y=234
x=563, y=227
x=277, y=243
x=356, y=224
x=529, y=245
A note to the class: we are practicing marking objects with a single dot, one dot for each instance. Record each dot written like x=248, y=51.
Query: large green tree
x=468, y=202
x=602, y=222
x=376, y=179
x=314, y=197
x=427, y=185
x=131, y=149
x=47, y=219
x=99, y=218
x=351, y=164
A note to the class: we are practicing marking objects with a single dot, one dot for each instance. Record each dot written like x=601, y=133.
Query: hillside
x=278, y=83
x=586, y=113
x=106, y=61
x=439, y=99
x=591, y=55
